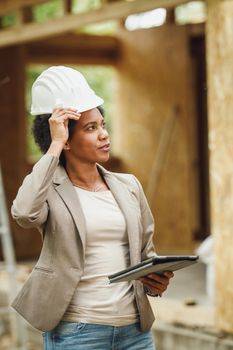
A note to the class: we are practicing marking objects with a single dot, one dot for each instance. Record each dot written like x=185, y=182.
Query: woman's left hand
x=157, y=284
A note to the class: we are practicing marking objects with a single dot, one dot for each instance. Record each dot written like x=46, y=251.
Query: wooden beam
x=68, y=58
x=79, y=40
x=69, y=22
x=74, y=49
x=7, y=6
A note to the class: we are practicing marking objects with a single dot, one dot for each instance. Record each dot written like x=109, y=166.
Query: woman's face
x=90, y=140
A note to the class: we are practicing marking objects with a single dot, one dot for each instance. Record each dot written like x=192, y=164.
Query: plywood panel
x=220, y=103
x=155, y=77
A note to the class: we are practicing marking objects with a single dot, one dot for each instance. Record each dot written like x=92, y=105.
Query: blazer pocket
x=43, y=269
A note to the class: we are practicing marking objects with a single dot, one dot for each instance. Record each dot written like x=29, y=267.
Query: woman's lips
x=105, y=147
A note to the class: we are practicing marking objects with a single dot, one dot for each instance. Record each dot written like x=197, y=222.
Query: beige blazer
x=48, y=201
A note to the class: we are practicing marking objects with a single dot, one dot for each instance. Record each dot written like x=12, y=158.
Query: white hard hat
x=65, y=87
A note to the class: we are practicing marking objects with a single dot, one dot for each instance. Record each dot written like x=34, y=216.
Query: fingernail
x=168, y=274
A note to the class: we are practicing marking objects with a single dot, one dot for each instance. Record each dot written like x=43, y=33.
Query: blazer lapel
x=71, y=200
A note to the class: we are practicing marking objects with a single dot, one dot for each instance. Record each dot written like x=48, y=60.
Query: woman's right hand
x=58, y=124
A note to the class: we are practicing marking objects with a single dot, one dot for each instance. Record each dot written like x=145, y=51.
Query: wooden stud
x=27, y=14
x=170, y=16
x=67, y=6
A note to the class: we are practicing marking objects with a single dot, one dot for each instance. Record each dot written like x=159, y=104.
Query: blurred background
x=164, y=69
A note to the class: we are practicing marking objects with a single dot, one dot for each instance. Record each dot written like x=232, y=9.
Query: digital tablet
x=156, y=264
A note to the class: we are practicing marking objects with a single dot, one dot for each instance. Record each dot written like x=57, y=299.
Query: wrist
x=56, y=148
x=151, y=294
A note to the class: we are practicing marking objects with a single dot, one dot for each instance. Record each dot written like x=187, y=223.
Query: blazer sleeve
x=148, y=248
x=30, y=208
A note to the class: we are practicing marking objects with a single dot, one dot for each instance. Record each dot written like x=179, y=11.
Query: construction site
x=167, y=70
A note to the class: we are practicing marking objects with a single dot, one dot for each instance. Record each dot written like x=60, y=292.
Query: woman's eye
x=95, y=127
x=90, y=128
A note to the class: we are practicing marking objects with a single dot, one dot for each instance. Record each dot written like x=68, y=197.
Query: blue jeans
x=86, y=336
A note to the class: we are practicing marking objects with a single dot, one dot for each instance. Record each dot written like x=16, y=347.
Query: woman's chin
x=103, y=159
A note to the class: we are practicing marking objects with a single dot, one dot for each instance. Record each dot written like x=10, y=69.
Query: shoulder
x=123, y=177
x=128, y=180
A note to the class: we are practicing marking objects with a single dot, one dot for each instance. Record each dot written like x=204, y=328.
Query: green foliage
x=192, y=12
x=33, y=151
x=54, y=9
x=43, y=12
x=101, y=80
x=103, y=28
x=9, y=20
x=85, y=5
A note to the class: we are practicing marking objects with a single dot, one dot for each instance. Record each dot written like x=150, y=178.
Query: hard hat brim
x=95, y=102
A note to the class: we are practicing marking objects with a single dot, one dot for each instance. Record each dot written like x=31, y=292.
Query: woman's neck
x=83, y=174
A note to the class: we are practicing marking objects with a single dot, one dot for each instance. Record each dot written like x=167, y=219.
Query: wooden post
x=13, y=140
x=67, y=6
x=27, y=14
x=220, y=105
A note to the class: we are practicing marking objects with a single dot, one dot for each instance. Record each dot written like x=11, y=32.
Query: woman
x=93, y=223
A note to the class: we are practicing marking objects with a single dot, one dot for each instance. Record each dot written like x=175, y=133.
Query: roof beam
x=69, y=22
x=7, y=6
x=74, y=49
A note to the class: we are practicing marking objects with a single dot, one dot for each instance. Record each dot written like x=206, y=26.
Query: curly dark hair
x=41, y=132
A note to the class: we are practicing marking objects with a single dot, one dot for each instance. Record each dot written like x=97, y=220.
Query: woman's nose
x=103, y=134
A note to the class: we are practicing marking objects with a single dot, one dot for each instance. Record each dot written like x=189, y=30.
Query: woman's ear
x=66, y=147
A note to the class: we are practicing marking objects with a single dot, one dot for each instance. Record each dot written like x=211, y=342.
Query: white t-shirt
x=107, y=251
